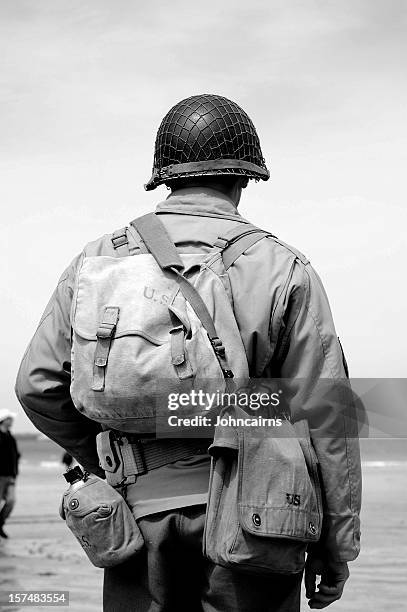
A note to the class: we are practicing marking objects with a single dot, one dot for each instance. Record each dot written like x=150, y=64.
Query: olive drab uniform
x=286, y=328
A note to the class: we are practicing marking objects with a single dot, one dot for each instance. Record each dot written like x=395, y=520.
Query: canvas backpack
x=154, y=324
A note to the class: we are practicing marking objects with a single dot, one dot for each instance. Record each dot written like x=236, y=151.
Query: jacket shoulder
x=101, y=246
x=292, y=250
x=284, y=249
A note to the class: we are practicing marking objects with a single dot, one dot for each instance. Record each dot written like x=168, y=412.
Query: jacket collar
x=202, y=202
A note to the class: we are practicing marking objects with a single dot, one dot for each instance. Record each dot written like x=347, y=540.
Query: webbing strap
x=138, y=241
x=126, y=241
x=199, y=307
x=190, y=293
x=152, y=454
x=161, y=247
x=158, y=242
x=235, y=242
x=179, y=356
x=235, y=233
x=237, y=248
x=104, y=335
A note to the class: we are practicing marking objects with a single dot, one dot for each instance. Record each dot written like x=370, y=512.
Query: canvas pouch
x=264, y=505
x=101, y=521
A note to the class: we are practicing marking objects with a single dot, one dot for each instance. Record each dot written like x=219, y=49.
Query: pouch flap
x=279, y=523
x=92, y=495
x=226, y=437
x=136, y=285
x=276, y=491
x=61, y=508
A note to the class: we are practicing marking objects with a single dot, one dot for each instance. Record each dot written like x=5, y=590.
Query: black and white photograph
x=203, y=368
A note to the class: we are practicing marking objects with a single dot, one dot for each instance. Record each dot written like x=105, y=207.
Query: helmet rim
x=215, y=167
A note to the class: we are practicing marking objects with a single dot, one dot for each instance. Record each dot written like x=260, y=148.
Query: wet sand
x=42, y=554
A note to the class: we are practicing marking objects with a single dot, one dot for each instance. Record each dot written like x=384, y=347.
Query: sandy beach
x=41, y=553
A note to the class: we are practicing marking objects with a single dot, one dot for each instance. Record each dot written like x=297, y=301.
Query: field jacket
x=286, y=326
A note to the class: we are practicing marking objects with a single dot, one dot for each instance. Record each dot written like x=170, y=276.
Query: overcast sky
x=84, y=85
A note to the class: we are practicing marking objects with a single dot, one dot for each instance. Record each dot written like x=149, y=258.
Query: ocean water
x=40, y=451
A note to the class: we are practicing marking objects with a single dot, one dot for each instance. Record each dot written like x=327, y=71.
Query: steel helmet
x=206, y=135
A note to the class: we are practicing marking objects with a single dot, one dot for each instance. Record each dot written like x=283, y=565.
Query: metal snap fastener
x=74, y=504
x=313, y=529
x=104, y=510
x=256, y=520
x=109, y=461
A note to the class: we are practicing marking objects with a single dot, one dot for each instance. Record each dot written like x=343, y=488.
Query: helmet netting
x=204, y=128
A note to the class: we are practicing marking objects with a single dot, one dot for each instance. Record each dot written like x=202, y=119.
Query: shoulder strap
x=158, y=241
x=232, y=244
x=162, y=248
x=138, y=243
x=235, y=242
x=126, y=241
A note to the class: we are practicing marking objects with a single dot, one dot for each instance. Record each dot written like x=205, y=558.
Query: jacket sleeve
x=310, y=360
x=44, y=378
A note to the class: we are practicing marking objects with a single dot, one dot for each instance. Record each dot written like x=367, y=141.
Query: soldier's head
x=207, y=140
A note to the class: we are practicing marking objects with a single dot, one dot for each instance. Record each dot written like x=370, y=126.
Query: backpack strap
x=162, y=248
x=138, y=243
x=120, y=242
x=158, y=241
x=235, y=242
x=126, y=241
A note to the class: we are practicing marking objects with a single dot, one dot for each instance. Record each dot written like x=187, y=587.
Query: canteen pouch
x=102, y=522
x=264, y=504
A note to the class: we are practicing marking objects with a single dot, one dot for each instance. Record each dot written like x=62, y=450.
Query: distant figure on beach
x=9, y=457
x=67, y=460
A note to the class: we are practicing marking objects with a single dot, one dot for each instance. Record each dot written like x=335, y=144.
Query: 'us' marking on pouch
x=150, y=293
x=293, y=499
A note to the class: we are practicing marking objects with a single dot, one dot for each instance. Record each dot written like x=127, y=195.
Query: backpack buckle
x=119, y=238
x=221, y=243
x=104, y=335
x=218, y=346
x=105, y=330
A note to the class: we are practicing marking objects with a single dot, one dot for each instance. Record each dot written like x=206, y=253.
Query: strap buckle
x=104, y=335
x=119, y=238
x=220, y=352
x=218, y=346
x=105, y=330
x=220, y=242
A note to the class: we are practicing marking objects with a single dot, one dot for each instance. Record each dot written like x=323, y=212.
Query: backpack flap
x=121, y=323
x=148, y=326
x=136, y=340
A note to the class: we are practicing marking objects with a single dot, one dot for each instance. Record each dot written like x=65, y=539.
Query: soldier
x=206, y=151
x=9, y=457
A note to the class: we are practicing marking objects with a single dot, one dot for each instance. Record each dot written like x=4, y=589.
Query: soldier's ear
x=245, y=182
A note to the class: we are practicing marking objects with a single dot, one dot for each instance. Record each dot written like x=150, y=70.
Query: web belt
x=124, y=457
x=152, y=454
